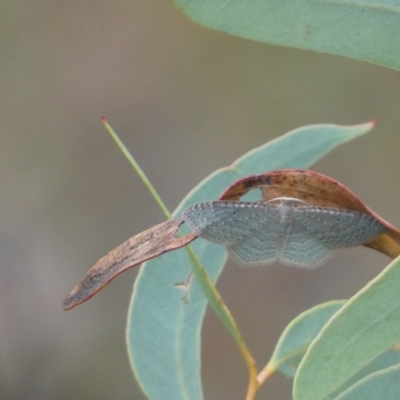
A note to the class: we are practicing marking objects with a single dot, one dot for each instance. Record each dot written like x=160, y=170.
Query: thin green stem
x=221, y=310
x=210, y=291
x=136, y=166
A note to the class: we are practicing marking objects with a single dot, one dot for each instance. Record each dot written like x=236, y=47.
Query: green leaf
x=383, y=384
x=297, y=336
x=365, y=327
x=385, y=360
x=365, y=30
x=163, y=332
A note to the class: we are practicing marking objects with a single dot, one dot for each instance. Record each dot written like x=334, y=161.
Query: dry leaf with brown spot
x=144, y=246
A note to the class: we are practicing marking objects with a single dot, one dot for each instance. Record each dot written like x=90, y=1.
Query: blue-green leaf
x=388, y=359
x=366, y=30
x=163, y=331
x=298, y=335
x=364, y=328
x=380, y=385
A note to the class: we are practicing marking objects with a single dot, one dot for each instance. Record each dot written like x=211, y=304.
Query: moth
x=283, y=230
x=302, y=216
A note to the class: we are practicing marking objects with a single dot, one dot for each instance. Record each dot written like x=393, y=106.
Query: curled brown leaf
x=314, y=189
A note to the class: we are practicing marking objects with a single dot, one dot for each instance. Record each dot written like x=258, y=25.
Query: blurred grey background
x=185, y=100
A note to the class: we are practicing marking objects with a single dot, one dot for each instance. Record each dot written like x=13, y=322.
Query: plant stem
x=265, y=373
x=217, y=304
x=210, y=291
x=136, y=167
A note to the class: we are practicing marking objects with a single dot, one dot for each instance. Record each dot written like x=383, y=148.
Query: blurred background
x=185, y=100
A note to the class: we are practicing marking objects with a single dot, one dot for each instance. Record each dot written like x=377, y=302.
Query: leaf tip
x=69, y=302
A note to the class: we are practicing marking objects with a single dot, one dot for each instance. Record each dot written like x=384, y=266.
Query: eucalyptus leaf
x=163, y=332
x=364, y=328
x=388, y=359
x=364, y=30
x=383, y=384
x=297, y=336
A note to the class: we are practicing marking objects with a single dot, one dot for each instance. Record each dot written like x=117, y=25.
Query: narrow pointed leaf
x=298, y=335
x=383, y=384
x=388, y=359
x=142, y=247
x=364, y=328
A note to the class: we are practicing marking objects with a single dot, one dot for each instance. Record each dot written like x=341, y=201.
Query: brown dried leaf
x=146, y=245
x=315, y=189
